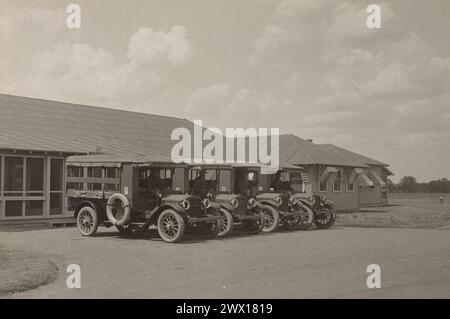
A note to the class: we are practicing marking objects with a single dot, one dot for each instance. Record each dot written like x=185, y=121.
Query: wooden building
x=37, y=136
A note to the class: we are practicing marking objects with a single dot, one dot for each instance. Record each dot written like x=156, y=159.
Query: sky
x=308, y=67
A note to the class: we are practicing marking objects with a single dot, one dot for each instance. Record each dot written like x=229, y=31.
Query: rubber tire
x=228, y=221
x=276, y=216
x=329, y=223
x=249, y=226
x=205, y=229
x=127, y=210
x=179, y=219
x=291, y=227
x=310, y=214
x=94, y=216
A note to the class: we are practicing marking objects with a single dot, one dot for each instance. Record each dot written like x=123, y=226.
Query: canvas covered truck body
x=279, y=209
x=134, y=193
x=214, y=182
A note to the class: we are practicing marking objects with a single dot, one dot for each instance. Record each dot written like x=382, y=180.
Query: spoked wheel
x=227, y=227
x=254, y=227
x=171, y=226
x=87, y=221
x=292, y=222
x=325, y=219
x=211, y=229
x=125, y=230
x=306, y=218
x=271, y=219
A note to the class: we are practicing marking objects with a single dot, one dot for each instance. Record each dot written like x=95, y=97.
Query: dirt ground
x=303, y=264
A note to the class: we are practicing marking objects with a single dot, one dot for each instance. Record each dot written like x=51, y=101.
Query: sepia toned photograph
x=243, y=152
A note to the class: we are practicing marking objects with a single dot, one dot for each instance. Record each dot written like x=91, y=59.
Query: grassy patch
x=21, y=271
x=414, y=211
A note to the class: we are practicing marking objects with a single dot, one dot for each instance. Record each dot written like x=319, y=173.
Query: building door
x=56, y=186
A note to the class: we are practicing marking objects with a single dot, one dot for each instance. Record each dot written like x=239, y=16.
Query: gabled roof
x=42, y=125
x=297, y=151
x=349, y=155
x=31, y=124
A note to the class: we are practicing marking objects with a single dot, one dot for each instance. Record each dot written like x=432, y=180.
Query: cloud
x=151, y=46
x=78, y=71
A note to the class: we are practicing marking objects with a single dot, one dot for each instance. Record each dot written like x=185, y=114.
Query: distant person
x=277, y=184
x=243, y=185
x=155, y=184
x=199, y=184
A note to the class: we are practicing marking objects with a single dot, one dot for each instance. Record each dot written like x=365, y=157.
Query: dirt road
x=304, y=264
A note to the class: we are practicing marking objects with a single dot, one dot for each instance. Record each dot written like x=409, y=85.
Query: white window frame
x=23, y=198
x=63, y=186
x=318, y=179
x=353, y=188
x=340, y=183
x=340, y=186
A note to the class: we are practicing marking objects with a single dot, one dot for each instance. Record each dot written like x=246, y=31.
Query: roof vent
x=98, y=151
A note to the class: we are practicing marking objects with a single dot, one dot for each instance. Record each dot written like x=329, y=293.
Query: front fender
x=175, y=206
x=306, y=203
x=93, y=204
x=153, y=219
x=269, y=202
x=227, y=206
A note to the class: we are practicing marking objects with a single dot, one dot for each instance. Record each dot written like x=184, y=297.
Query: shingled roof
x=42, y=125
x=31, y=124
x=346, y=154
x=298, y=151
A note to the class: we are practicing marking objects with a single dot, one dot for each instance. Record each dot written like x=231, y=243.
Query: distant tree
x=391, y=186
x=440, y=186
x=408, y=184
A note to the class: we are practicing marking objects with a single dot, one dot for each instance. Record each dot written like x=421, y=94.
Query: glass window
x=13, y=174
x=13, y=208
x=323, y=186
x=111, y=188
x=95, y=172
x=55, y=204
x=285, y=177
x=76, y=186
x=74, y=171
x=165, y=173
x=194, y=173
x=35, y=174
x=56, y=174
x=1, y=165
x=337, y=183
x=94, y=186
x=210, y=175
x=350, y=187
x=111, y=172
x=337, y=186
x=34, y=208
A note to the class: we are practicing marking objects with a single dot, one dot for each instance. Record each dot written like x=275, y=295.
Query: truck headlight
x=292, y=200
x=207, y=203
x=252, y=202
x=185, y=204
x=278, y=200
x=235, y=203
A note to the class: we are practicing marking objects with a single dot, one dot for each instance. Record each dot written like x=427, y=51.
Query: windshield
x=203, y=181
x=286, y=181
x=155, y=179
